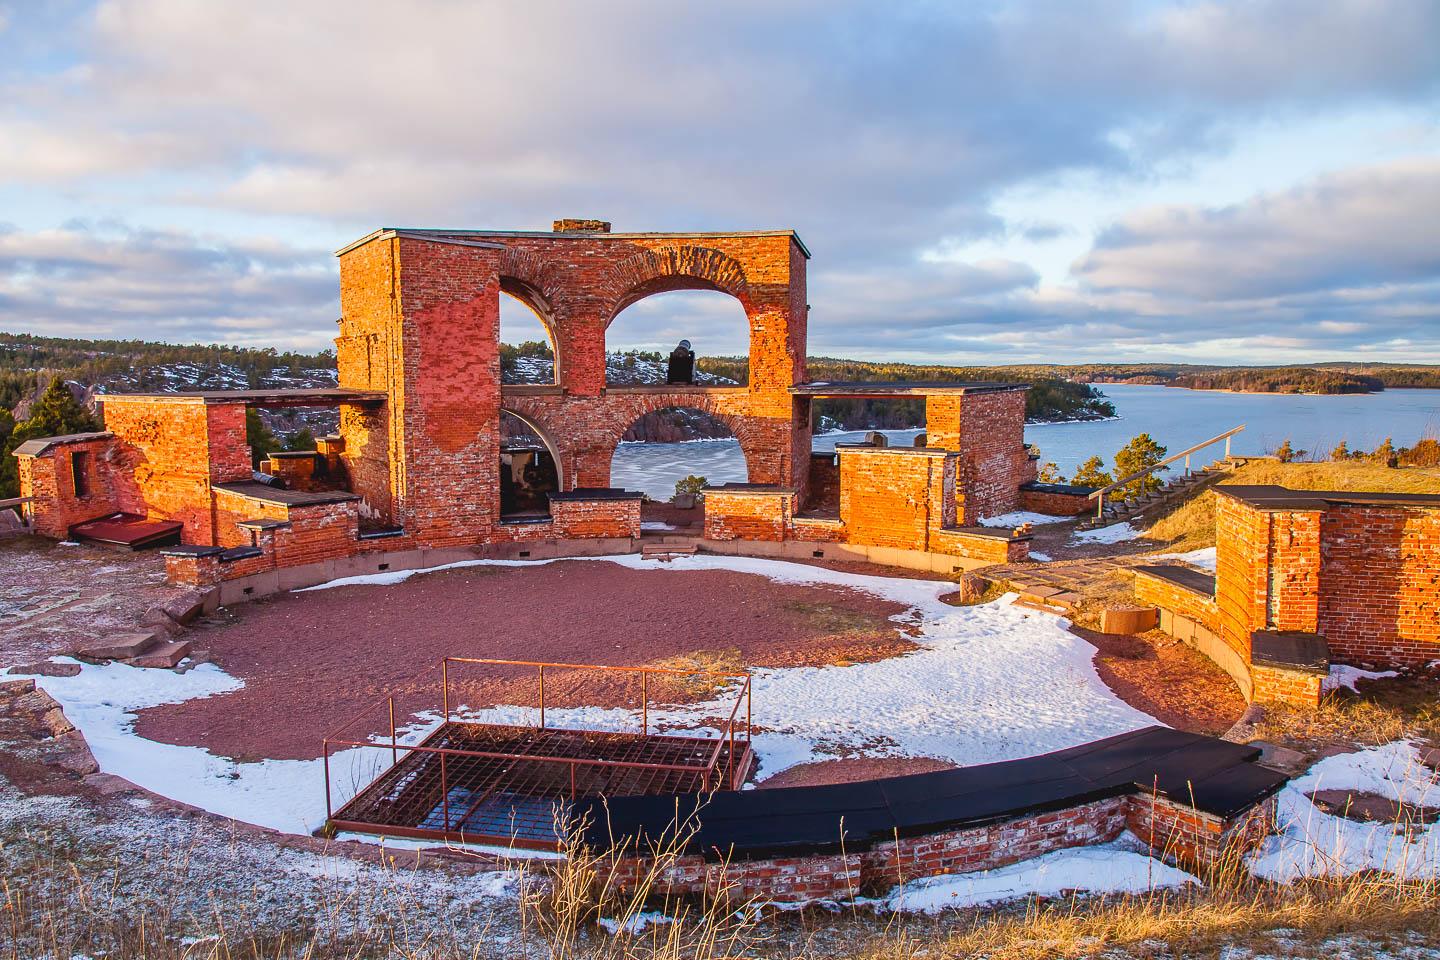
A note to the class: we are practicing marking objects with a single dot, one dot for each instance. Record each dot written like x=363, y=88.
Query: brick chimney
x=573, y=225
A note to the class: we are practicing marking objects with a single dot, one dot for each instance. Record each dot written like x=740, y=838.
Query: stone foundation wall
x=1176, y=832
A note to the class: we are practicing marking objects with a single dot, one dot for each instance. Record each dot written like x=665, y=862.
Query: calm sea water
x=1176, y=418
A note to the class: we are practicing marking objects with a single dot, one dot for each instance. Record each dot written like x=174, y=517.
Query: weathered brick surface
x=748, y=515
x=1056, y=504
x=1170, y=596
x=49, y=479
x=841, y=876
x=896, y=498
x=420, y=324
x=1270, y=684
x=1179, y=833
x=1380, y=579
x=1363, y=576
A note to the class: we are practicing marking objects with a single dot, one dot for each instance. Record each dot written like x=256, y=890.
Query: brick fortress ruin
x=413, y=475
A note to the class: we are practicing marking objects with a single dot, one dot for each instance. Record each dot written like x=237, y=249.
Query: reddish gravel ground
x=311, y=661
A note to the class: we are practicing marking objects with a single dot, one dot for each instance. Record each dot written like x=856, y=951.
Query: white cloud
x=1357, y=228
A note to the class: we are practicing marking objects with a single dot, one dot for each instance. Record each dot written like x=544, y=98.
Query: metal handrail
x=1099, y=495
x=24, y=510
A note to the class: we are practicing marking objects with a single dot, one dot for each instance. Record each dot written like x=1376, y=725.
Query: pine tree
x=1341, y=451
x=262, y=441
x=301, y=439
x=1049, y=473
x=1092, y=473
x=1385, y=454
x=56, y=414
x=1137, y=455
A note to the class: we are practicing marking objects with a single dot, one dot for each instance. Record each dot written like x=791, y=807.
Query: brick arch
x=679, y=267
x=536, y=282
x=602, y=457
x=561, y=457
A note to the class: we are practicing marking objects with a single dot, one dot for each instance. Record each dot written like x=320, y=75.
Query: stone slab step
x=121, y=646
x=1042, y=607
x=164, y=656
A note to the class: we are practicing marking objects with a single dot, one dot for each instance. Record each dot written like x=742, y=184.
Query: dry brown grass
x=1196, y=923
x=1191, y=525
x=1383, y=711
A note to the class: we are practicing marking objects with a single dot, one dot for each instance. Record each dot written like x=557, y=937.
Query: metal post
x=645, y=702
x=394, y=752
x=542, y=697
x=1227, y=448
x=1187, y=464
x=1100, y=506
x=445, y=686
x=328, y=812
x=572, y=780
x=445, y=792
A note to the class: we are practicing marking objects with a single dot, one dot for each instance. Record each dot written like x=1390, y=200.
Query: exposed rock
x=185, y=607
x=121, y=646
x=37, y=736
x=165, y=656
x=48, y=668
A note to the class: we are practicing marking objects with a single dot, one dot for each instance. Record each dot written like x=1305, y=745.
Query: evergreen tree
x=1138, y=454
x=56, y=414
x=1341, y=451
x=1092, y=473
x=301, y=439
x=262, y=441
x=1385, y=454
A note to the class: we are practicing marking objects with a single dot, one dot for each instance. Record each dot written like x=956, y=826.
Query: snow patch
x=1204, y=558
x=1312, y=843
x=1115, y=533
x=1342, y=675
x=1016, y=517
x=1100, y=869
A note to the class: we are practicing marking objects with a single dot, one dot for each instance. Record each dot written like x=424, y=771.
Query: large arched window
x=663, y=449
x=527, y=348
x=530, y=469
x=639, y=340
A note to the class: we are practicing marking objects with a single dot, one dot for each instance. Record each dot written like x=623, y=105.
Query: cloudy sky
x=1249, y=182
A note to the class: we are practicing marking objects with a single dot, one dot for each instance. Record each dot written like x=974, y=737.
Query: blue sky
x=978, y=182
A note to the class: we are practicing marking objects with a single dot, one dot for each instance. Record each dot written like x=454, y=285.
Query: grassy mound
x=1191, y=525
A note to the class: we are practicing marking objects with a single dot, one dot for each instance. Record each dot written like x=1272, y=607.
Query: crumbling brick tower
x=420, y=321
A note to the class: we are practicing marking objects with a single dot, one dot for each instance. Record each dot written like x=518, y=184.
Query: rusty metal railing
x=685, y=776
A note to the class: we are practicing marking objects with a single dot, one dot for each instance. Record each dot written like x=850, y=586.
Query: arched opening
x=527, y=347
x=656, y=317
x=530, y=470
x=670, y=452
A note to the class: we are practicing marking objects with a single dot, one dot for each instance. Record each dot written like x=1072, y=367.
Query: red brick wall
x=1242, y=538
x=748, y=516
x=1364, y=577
x=1169, y=596
x=890, y=498
x=1056, y=504
x=49, y=479
x=365, y=352
x=167, y=453
x=1177, y=832
x=1380, y=580
x=420, y=320
x=1269, y=684
x=838, y=876
x=823, y=489
x=596, y=518
x=988, y=431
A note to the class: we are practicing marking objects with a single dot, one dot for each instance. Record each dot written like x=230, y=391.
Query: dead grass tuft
x=1383, y=711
